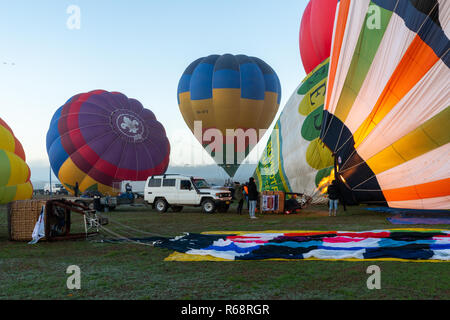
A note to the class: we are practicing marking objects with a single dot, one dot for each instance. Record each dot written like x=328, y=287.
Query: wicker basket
x=22, y=217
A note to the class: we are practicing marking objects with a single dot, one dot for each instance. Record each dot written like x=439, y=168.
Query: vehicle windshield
x=201, y=184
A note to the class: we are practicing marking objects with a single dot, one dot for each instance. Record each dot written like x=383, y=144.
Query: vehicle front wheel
x=208, y=206
x=161, y=205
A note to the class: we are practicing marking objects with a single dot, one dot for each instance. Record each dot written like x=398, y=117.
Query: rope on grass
x=127, y=239
x=137, y=230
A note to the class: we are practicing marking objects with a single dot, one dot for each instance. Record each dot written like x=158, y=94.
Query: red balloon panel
x=316, y=32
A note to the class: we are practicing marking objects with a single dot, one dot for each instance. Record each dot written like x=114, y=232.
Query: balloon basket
x=23, y=216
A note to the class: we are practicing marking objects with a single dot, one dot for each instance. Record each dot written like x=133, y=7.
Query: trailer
x=99, y=203
x=137, y=187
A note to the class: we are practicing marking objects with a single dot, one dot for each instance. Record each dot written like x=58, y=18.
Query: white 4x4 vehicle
x=175, y=191
x=56, y=188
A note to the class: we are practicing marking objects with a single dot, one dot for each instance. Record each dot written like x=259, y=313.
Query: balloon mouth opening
x=128, y=125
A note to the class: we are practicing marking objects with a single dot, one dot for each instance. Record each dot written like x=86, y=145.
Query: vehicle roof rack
x=165, y=175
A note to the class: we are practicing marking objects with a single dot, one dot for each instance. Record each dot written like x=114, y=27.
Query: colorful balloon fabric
x=387, y=107
x=98, y=139
x=397, y=245
x=14, y=172
x=294, y=159
x=316, y=31
x=229, y=92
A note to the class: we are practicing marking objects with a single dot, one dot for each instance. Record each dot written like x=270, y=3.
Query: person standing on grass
x=333, y=197
x=239, y=196
x=76, y=189
x=246, y=194
x=252, y=197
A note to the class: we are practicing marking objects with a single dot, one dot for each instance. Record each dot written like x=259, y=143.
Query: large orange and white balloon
x=387, y=109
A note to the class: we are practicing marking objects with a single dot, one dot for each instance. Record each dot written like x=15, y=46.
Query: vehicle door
x=169, y=190
x=152, y=189
x=186, y=192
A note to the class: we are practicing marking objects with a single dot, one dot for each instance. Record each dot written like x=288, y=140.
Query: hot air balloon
x=387, y=107
x=14, y=172
x=98, y=139
x=316, y=32
x=229, y=92
x=295, y=160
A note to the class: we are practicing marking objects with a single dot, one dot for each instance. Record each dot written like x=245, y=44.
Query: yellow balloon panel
x=313, y=99
x=24, y=191
x=186, y=109
x=318, y=156
x=227, y=108
x=88, y=182
x=71, y=174
x=269, y=111
x=203, y=111
x=19, y=171
x=7, y=141
x=250, y=112
x=14, y=172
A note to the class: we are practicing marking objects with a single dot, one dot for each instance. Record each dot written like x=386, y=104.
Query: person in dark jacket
x=128, y=188
x=252, y=197
x=76, y=189
x=333, y=197
x=239, y=196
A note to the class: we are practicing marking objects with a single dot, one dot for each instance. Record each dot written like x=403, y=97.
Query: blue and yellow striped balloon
x=229, y=92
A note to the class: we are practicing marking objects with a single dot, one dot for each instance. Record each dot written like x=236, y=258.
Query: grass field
x=131, y=271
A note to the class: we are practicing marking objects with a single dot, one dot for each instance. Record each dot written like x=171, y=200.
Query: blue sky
x=139, y=48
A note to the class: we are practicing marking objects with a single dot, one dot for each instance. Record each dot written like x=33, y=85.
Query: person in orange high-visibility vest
x=246, y=195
